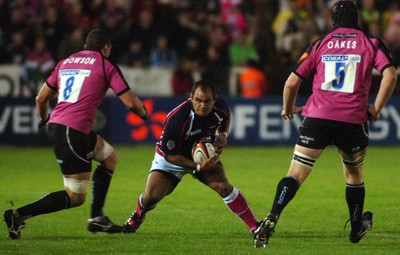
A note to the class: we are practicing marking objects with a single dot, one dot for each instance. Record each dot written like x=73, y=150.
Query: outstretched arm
x=387, y=86
x=134, y=104
x=42, y=101
x=290, y=91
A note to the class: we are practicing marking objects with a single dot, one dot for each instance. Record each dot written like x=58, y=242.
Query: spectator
x=117, y=34
x=168, y=16
x=52, y=27
x=111, y=8
x=369, y=13
x=137, y=6
x=253, y=81
x=183, y=30
x=135, y=57
x=162, y=56
x=235, y=21
x=288, y=28
x=193, y=52
x=71, y=43
x=242, y=50
x=16, y=51
x=216, y=71
x=182, y=78
x=76, y=17
x=287, y=25
x=18, y=21
x=144, y=31
x=205, y=6
x=218, y=39
x=392, y=35
x=38, y=64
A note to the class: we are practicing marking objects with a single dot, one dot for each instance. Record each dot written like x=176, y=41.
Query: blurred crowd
x=263, y=38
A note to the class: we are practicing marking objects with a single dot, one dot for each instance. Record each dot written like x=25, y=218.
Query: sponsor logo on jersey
x=349, y=35
x=198, y=131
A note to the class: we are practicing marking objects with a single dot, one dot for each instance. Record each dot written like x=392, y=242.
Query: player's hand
x=373, y=114
x=210, y=164
x=146, y=113
x=290, y=115
x=42, y=123
x=220, y=142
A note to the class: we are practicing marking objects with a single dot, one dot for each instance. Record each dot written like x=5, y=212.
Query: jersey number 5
x=340, y=72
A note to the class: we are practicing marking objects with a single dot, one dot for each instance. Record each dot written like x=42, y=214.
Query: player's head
x=344, y=14
x=97, y=40
x=203, y=97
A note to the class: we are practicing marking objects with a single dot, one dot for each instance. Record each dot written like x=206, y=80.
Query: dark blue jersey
x=183, y=128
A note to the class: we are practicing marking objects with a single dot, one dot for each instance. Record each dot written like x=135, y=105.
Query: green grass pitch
x=194, y=220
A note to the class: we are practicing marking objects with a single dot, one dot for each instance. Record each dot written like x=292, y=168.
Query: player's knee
x=222, y=188
x=111, y=161
x=303, y=159
x=353, y=163
x=152, y=198
x=77, y=190
x=106, y=155
x=77, y=200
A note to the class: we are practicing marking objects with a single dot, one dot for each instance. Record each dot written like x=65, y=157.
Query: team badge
x=171, y=144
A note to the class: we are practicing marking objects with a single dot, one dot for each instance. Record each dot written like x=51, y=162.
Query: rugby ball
x=203, y=150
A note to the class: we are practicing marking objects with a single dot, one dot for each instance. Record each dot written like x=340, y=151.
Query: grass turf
x=193, y=219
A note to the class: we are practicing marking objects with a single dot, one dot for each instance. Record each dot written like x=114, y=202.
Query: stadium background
x=34, y=35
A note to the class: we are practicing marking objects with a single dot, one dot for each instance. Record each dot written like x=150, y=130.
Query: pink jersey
x=82, y=81
x=341, y=65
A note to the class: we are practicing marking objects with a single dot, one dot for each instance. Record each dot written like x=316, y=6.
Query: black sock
x=52, y=202
x=355, y=195
x=285, y=191
x=101, y=181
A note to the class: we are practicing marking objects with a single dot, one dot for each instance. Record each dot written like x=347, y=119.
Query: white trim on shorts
x=159, y=163
x=72, y=148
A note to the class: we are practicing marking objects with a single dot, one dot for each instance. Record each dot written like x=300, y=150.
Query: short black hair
x=344, y=14
x=204, y=85
x=96, y=40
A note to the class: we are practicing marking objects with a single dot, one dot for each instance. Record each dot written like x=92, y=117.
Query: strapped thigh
x=76, y=186
x=104, y=152
x=303, y=159
x=354, y=163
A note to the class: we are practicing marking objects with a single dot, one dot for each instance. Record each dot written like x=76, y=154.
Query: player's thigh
x=102, y=150
x=351, y=138
x=160, y=184
x=72, y=149
x=314, y=134
x=217, y=180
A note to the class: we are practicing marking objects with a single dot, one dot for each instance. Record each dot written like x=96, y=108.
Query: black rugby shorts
x=319, y=133
x=73, y=149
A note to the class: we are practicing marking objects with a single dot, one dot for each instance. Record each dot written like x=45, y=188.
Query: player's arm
x=42, y=101
x=387, y=86
x=221, y=134
x=134, y=104
x=221, y=140
x=180, y=160
x=290, y=92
